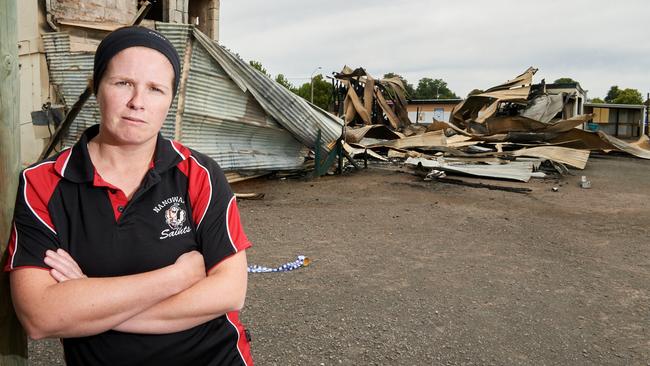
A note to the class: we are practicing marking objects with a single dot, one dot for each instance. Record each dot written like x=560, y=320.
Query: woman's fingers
x=71, y=261
x=63, y=264
x=65, y=254
x=58, y=276
x=55, y=261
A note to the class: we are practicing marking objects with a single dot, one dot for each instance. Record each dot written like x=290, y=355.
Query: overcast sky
x=468, y=43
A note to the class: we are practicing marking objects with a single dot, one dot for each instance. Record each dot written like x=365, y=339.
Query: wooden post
x=13, y=343
x=617, y=121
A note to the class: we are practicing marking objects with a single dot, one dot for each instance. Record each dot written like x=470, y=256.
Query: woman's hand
x=64, y=268
x=191, y=267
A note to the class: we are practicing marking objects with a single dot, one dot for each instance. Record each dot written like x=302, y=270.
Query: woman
x=128, y=246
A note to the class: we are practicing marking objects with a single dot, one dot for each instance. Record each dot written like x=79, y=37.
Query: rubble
x=376, y=95
x=506, y=132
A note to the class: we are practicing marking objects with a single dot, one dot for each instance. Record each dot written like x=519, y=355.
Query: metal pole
x=13, y=343
x=311, y=83
x=646, y=128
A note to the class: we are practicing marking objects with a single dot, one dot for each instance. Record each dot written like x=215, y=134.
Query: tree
x=612, y=94
x=410, y=91
x=322, y=91
x=596, y=100
x=258, y=65
x=282, y=80
x=628, y=96
x=433, y=89
x=474, y=92
x=564, y=81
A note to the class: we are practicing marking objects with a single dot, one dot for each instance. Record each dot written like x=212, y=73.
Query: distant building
x=619, y=120
x=427, y=110
x=577, y=96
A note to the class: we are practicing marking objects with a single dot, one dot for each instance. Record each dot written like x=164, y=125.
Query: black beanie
x=133, y=36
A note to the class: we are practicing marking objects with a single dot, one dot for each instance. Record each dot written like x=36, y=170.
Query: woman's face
x=134, y=96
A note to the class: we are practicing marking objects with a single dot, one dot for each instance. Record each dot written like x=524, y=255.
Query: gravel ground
x=408, y=272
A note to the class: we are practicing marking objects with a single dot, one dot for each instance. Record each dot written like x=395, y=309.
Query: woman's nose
x=137, y=100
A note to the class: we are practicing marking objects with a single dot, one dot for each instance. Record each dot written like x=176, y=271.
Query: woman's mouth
x=132, y=119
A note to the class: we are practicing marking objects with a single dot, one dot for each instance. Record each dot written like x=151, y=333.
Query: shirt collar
x=75, y=165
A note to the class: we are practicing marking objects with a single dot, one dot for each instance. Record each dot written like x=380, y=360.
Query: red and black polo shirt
x=184, y=203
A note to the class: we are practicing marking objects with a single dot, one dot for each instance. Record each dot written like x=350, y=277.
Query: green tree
x=258, y=65
x=612, y=94
x=628, y=96
x=322, y=92
x=564, y=81
x=433, y=89
x=408, y=87
x=596, y=100
x=282, y=80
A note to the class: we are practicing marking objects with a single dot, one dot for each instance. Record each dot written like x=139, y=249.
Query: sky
x=468, y=43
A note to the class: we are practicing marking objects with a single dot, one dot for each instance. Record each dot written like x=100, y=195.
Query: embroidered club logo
x=175, y=216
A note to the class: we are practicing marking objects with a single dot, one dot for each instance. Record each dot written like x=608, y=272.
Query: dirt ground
x=406, y=272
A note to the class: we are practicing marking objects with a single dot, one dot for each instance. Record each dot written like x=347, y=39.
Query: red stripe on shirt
x=11, y=247
x=236, y=233
x=62, y=161
x=40, y=182
x=199, y=188
x=243, y=347
x=184, y=151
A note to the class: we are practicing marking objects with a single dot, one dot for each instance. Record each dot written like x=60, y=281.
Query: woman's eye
x=123, y=83
x=157, y=90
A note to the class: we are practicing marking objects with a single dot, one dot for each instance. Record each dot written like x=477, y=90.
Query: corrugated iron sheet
x=291, y=111
x=69, y=72
x=179, y=37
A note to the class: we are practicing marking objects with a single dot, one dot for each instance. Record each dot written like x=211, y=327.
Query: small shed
x=620, y=120
x=575, y=104
x=426, y=110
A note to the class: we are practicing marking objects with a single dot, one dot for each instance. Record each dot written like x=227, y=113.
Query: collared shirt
x=184, y=203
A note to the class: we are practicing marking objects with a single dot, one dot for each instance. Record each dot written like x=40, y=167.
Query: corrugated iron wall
x=70, y=72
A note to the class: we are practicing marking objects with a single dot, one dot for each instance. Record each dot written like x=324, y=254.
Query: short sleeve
x=32, y=231
x=215, y=213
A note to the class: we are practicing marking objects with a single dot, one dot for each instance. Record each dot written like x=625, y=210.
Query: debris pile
x=370, y=101
x=514, y=131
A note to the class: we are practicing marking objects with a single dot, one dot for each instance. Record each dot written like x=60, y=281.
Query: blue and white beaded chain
x=302, y=261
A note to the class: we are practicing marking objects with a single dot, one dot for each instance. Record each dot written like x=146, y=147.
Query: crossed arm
x=65, y=303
